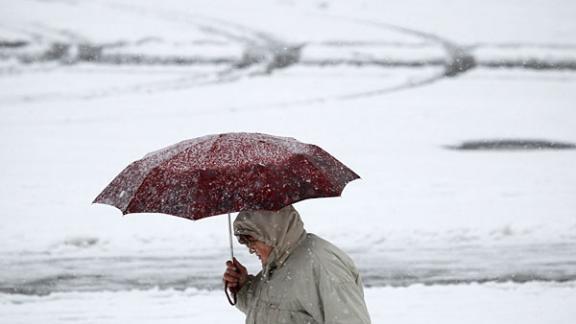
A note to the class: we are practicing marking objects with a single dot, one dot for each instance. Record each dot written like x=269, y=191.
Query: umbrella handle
x=231, y=300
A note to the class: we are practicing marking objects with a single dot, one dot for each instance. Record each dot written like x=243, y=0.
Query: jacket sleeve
x=341, y=297
x=245, y=296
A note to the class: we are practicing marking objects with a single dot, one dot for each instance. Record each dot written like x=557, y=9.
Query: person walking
x=304, y=278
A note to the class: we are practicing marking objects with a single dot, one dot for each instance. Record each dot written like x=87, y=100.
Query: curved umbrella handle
x=231, y=300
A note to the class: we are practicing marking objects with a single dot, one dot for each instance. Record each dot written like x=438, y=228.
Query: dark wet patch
x=531, y=64
x=460, y=62
x=12, y=44
x=136, y=59
x=387, y=63
x=511, y=145
x=81, y=242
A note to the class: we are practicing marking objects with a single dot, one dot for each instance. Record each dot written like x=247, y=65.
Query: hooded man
x=304, y=279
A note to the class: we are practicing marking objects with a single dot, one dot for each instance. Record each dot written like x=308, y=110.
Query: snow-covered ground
x=440, y=235
x=474, y=304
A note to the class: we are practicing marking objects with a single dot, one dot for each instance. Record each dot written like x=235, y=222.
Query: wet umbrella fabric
x=219, y=174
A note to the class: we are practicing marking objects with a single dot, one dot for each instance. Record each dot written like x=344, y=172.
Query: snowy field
x=443, y=229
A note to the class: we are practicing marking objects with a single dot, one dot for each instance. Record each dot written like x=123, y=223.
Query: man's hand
x=236, y=275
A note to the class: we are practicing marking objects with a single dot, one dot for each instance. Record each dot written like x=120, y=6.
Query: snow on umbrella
x=219, y=174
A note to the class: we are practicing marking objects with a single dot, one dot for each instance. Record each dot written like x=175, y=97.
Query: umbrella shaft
x=230, y=236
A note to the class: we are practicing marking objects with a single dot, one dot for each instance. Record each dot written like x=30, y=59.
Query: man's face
x=259, y=248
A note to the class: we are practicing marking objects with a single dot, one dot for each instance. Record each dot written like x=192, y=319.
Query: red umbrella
x=219, y=174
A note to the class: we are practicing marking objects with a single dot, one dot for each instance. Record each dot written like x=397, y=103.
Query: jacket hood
x=282, y=229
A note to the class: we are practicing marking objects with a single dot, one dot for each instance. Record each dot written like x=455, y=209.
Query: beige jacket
x=306, y=279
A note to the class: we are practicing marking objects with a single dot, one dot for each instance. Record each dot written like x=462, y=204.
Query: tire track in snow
x=458, y=61
x=528, y=56
x=260, y=48
x=263, y=54
x=69, y=49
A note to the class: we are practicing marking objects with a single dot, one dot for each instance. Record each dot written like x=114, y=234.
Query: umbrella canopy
x=219, y=174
